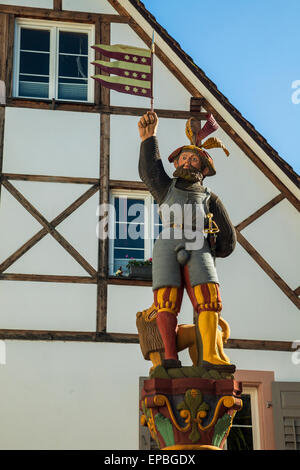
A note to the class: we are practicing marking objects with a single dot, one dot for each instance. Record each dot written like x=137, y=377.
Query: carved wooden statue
x=196, y=230
x=174, y=266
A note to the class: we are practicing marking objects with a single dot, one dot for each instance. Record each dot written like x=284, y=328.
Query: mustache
x=191, y=174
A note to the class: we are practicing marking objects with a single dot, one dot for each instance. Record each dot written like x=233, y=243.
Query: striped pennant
x=125, y=69
x=125, y=85
x=132, y=69
x=128, y=54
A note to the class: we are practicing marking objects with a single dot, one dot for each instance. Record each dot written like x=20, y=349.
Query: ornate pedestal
x=191, y=412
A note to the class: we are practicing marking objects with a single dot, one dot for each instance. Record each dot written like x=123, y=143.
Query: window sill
x=129, y=281
x=42, y=103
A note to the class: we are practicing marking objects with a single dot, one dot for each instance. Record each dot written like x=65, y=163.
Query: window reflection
x=73, y=66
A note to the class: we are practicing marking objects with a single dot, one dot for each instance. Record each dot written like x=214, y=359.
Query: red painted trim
x=262, y=381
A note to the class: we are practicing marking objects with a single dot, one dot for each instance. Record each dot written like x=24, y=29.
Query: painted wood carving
x=186, y=406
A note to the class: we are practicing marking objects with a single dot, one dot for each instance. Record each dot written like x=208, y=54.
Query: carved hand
x=148, y=125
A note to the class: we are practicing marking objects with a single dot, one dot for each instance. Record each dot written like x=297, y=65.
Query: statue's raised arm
x=151, y=169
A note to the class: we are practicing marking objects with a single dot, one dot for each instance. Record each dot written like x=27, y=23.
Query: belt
x=182, y=226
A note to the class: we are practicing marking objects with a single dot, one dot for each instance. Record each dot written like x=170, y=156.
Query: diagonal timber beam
x=42, y=233
x=49, y=228
x=268, y=269
x=260, y=212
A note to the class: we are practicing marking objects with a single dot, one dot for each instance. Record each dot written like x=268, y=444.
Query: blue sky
x=251, y=50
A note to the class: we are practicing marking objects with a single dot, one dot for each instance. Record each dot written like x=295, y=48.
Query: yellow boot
x=208, y=327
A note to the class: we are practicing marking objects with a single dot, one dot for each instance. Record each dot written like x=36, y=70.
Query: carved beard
x=191, y=174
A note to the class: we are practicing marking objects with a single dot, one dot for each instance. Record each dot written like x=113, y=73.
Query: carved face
x=187, y=159
x=188, y=166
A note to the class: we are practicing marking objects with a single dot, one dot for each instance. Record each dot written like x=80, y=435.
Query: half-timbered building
x=70, y=378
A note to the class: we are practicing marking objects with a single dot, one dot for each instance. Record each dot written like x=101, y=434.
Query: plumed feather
x=214, y=142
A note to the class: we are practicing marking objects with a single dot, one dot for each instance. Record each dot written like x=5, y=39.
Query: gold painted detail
x=197, y=408
x=193, y=410
x=150, y=313
x=212, y=226
x=162, y=400
x=191, y=447
x=148, y=419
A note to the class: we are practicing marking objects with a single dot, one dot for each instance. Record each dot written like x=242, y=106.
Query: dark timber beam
x=50, y=228
x=46, y=335
x=100, y=108
x=268, y=269
x=260, y=212
x=57, y=14
x=101, y=313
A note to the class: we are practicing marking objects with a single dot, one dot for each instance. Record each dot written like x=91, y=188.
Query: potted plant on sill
x=140, y=269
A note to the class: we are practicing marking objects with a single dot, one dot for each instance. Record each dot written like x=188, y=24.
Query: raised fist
x=148, y=125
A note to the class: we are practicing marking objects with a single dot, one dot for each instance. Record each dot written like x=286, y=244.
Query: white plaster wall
x=125, y=145
x=121, y=315
x=276, y=236
x=279, y=362
x=17, y=225
x=80, y=230
x=70, y=396
x=50, y=198
x=30, y=3
x=47, y=306
x=91, y=6
x=252, y=303
x=124, y=148
x=241, y=186
x=168, y=91
x=77, y=396
x=50, y=142
x=47, y=256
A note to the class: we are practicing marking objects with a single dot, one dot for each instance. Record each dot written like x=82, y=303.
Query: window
x=244, y=433
x=136, y=225
x=53, y=60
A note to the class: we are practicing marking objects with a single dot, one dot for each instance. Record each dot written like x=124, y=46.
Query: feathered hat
x=195, y=135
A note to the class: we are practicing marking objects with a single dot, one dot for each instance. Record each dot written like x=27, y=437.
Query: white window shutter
x=286, y=408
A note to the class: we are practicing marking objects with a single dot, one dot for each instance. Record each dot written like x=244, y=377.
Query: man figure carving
x=176, y=263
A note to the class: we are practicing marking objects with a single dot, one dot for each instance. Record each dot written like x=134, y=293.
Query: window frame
x=255, y=424
x=54, y=27
x=148, y=227
x=261, y=381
